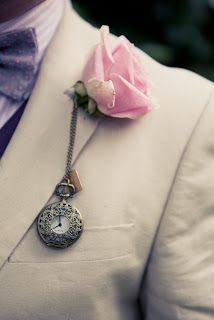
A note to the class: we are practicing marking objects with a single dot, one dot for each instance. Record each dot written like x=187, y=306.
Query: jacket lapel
x=34, y=161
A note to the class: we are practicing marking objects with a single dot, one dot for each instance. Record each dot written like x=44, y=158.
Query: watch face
x=59, y=224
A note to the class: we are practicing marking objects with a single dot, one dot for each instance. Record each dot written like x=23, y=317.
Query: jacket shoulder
x=180, y=83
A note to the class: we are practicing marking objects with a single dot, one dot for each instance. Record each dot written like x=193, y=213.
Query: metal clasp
x=65, y=189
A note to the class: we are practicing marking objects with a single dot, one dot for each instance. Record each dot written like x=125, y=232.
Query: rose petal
x=129, y=101
x=100, y=60
x=102, y=92
x=140, y=74
x=94, y=67
x=104, y=30
x=123, y=61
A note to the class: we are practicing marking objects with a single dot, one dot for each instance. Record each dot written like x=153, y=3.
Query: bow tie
x=17, y=62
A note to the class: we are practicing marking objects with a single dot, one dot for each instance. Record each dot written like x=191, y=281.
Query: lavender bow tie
x=17, y=62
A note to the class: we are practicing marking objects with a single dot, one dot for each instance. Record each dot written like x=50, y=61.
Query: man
x=146, y=251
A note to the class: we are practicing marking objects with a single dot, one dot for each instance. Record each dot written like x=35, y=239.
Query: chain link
x=72, y=135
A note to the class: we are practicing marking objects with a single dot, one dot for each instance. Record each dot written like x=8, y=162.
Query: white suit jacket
x=146, y=251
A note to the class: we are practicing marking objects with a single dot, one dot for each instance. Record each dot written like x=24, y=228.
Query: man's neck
x=10, y=9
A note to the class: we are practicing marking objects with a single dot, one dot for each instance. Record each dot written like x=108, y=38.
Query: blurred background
x=174, y=32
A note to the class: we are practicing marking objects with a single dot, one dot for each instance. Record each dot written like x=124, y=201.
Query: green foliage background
x=174, y=32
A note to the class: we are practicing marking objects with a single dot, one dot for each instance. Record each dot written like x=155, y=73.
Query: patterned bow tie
x=17, y=62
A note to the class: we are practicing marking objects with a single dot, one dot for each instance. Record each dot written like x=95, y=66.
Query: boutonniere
x=114, y=82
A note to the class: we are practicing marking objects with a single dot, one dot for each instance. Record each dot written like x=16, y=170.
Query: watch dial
x=60, y=224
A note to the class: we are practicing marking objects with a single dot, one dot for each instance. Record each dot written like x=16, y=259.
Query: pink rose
x=115, y=79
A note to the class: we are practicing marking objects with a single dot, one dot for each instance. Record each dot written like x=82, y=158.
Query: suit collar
x=34, y=161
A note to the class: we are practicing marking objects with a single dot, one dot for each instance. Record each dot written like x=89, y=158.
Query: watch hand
x=60, y=224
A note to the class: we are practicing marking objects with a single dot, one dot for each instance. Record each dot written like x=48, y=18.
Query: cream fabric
x=147, y=201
